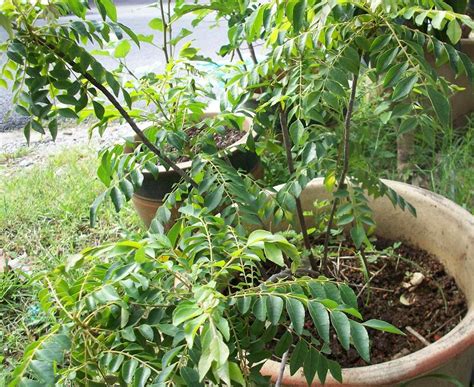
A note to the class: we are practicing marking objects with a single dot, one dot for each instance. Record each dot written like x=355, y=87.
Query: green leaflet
x=156, y=24
x=382, y=326
x=185, y=311
x=146, y=331
x=441, y=106
x=260, y=309
x=117, y=198
x=394, y=74
x=322, y=368
x=243, y=304
x=128, y=370
x=107, y=8
x=299, y=11
x=283, y=344
x=296, y=312
x=274, y=254
x=6, y=23
x=335, y=370
x=311, y=365
x=320, y=317
x=122, y=49
x=341, y=324
x=404, y=87
x=274, y=308
x=141, y=376
x=43, y=371
x=358, y=235
x=298, y=356
x=454, y=31
x=360, y=339
x=348, y=295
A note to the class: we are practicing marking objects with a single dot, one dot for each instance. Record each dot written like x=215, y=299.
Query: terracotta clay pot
x=445, y=230
x=462, y=102
x=149, y=197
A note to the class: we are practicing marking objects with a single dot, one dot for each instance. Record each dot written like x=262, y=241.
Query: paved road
x=135, y=14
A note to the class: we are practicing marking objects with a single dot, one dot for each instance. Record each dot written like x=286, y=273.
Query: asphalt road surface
x=135, y=14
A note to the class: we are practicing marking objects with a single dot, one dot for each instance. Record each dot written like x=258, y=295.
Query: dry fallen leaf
x=408, y=299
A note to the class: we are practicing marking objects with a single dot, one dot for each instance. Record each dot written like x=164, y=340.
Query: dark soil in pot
x=435, y=305
x=222, y=139
x=430, y=309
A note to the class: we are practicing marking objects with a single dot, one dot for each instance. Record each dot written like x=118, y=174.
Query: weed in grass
x=44, y=217
x=8, y=157
x=451, y=172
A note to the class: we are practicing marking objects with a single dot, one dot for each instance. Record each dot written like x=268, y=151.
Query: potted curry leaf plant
x=245, y=286
x=181, y=123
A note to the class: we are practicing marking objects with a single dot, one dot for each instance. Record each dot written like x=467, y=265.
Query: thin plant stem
x=364, y=260
x=165, y=32
x=252, y=53
x=345, y=168
x=170, y=29
x=239, y=53
x=155, y=100
x=299, y=209
x=281, y=372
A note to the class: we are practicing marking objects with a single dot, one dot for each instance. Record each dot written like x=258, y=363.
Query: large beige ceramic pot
x=149, y=197
x=445, y=230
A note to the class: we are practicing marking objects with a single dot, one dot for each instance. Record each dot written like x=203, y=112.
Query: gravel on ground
x=16, y=153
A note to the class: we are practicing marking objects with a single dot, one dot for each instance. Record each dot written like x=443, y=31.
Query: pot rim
x=429, y=358
x=247, y=127
x=421, y=362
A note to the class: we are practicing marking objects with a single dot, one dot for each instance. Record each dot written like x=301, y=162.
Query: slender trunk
x=405, y=152
x=299, y=209
x=239, y=53
x=252, y=53
x=345, y=167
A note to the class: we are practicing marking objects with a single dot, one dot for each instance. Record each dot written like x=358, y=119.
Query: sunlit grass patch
x=44, y=217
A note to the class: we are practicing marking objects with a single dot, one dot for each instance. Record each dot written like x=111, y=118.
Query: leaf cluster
x=182, y=309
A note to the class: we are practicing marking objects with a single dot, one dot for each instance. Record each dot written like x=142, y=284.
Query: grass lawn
x=44, y=217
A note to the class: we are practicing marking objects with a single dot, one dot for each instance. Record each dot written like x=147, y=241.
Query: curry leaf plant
x=211, y=299
x=54, y=76
x=317, y=52
x=189, y=308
